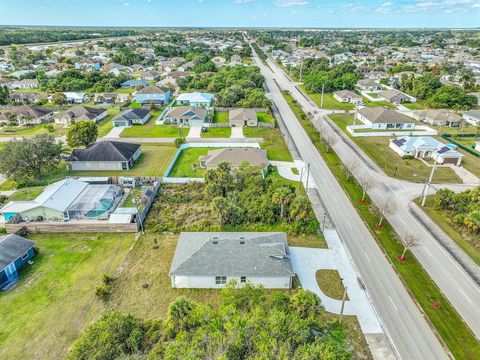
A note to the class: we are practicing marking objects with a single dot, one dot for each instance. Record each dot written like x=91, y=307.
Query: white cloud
x=242, y=1
x=417, y=6
x=287, y=3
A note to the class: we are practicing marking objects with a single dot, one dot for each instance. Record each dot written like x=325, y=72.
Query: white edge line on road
x=392, y=302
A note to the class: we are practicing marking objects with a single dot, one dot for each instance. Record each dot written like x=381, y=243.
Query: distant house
x=110, y=98
x=27, y=97
x=87, y=65
x=381, y=118
x=5, y=82
x=439, y=117
x=80, y=113
x=105, y=155
x=76, y=97
x=242, y=117
x=426, y=147
x=177, y=75
x=186, y=115
x=235, y=157
x=395, y=96
x=347, y=96
x=472, y=117
x=211, y=260
x=195, y=99
x=132, y=84
x=235, y=60
x=31, y=115
x=150, y=75
x=219, y=61
x=369, y=85
x=15, y=251
x=152, y=94
x=131, y=117
x=25, y=84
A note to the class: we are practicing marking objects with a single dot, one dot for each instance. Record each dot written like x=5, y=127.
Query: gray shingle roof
x=232, y=254
x=105, y=151
x=12, y=247
x=385, y=115
x=133, y=114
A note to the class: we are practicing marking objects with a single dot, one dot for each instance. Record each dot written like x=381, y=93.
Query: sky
x=244, y=13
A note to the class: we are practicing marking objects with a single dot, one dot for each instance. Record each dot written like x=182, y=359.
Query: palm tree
x=300, y=209
x=282, y=196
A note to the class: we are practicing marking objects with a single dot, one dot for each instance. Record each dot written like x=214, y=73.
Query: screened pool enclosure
x=95, y=202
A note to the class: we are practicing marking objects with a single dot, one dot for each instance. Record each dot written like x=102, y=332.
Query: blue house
x=15, y=251
x=131, y=84
x=195, y=99
x=152, y=94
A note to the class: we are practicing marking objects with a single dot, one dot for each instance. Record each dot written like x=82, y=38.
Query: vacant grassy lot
x=377, y=148
x=27, y=193
x=265, y=117
x=55, y=298
x=369, y=103
x=444, y=318
x=415, y=106
x=23, y=131
x=330, y=283
x=106, y=125
x=273, y=142
x=329, y=102
x=217, y=132
x=220, y=117
x=187, y=164
x=456, y=233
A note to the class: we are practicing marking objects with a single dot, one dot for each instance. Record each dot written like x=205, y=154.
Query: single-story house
x=177, y=75
x=381, y=118
x=149, y=75
x=242, y=117
x=64, y=200
x=27, y=97
x=186, y=115
x=132, y=84
x=15, y=251
x=137, y=116
x=105, y=155
x=219, y=61
x=347, y=96
x=211, y=260
x=110, y=98
x=25, y=84
x=79, y=113
x=472, y=117
x=32, y=115
x=394, y=96
x=235, y=157
x=6, y=82
x=426, y=147
x=152, y=94
x=439, y=117
x=235, y=60
x=76, y=97
x=87, y=65
x=369, y=85
x=195, y=99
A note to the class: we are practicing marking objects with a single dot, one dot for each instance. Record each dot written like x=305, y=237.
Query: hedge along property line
x=450, y=137
x=445, y=322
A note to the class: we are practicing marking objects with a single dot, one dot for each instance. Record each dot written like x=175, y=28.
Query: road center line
x=392, y=302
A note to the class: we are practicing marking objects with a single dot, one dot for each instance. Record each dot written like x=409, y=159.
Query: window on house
x=243, y=279
x=220, y=280
x=24, y=256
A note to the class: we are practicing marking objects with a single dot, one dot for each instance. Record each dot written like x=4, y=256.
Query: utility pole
x=324, y=219
x=323, y=89
x=343, y=302
x=354, y=118
x=427, y=186
x=301, y=67
x=308, y=176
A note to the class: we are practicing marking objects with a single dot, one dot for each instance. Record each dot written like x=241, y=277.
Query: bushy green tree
x=82, y=133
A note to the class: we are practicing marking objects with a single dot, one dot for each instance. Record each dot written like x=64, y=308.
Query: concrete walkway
x=115, y=132
x=285, y=171
x=195, y=132
x=237, y=133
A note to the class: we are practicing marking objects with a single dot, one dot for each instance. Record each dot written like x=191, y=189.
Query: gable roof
x=390, y=94
x=34, y=112
x=133, y=114
x=384, y=115
x=441, y=114
x=195, y=97
x=236, y=156
x=152, y=89
x=187, y=112
x=60, y=195
x=428, y=143
x=84, y=112
x=105, y=151
x=12, y=247
x=346, y=93
x=242, y=114
x=232, y=254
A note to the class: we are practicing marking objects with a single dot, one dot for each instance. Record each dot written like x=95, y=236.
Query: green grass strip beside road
x=441, y=314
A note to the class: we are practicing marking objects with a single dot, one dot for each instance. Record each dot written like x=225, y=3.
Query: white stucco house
x=347, y=96
x=212, y=260
x=381, y=118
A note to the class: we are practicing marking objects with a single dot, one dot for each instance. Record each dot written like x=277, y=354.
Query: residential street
x=460, y=289
x=408, y=331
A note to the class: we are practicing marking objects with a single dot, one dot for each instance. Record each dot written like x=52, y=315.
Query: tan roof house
x=381, y=118
x=235, y=157
x=347, y=96
x=440, y=117
x=242, y=117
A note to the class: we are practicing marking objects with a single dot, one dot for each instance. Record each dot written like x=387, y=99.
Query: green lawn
x=265, y=117
x=462, y=239
x=187, y=164
x=330, y=283
x=369, y=103
x=23, y=131
x=220, y=117
x=27, y=193
x=150, y=130
x=373, y=95
x=466, y=129
x=444, y=318
x=415, y=106
x=273, y=142
x=124, y=90
x=106, y=125
x=377, y=148
x=55, y=299
x=329, y=102
x=217, y=133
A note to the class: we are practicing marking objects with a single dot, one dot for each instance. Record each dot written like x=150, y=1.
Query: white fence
x=420, y=130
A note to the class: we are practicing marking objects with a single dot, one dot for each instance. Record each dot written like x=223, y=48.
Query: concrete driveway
x=237, y=132
x=195, y=132
x=115, y=132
